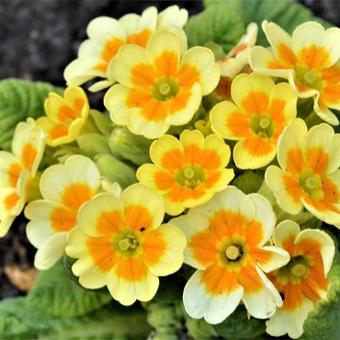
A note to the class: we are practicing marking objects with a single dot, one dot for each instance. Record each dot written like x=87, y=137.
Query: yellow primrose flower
x=107, y=35
x=188, y=171
x=120, y=243
x=65, y=116
x=256, y=120
x=64, y=189
x=226, y=243
x=159, y=86
x=17, y=170
x=302, y=281
x=309, y=174
x=237, y=58
x=309, y=59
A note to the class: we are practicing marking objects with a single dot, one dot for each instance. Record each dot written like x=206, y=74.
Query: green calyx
x=165, y=88
x=308, y=77
x=311, y=184
x=190, y=176
x=262, y=125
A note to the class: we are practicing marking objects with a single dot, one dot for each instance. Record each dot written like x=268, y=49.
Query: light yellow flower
x=64, y=189
x=159, y=86
x=188, y=171
x=65, y=116
x=302, y=281
x=107, y=35
x=309, y=174
x=256, y=120
x=17, y=170
x=120, y=243
x=309, y=59
x=237, y=58
x=226, y=244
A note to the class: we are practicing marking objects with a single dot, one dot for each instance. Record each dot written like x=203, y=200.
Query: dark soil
x=38, y=38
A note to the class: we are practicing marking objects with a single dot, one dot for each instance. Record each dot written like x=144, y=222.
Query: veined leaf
x=20, y=99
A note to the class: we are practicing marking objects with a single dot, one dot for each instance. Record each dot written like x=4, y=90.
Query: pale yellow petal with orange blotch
x=198, y=253
x=167, y=152
x=281, y=43
x=146, y=126
x=28, y=144
x=56, y=133
x=325, y=113
x=252, y=92
x=316, y=47
x=47, y=218
x=163, y=249
x=143, y=207
x=212, y=297
x=103, y=215
x=290, y=146
x=253, y=153
x=131, y=280
x=172, y=16
x=204, y=61
x=155, y=178
x=81, y=70
x=163, y=50
x=10, y=169
x=72, y=183
x=286, y=190
x=262, y=302
x=325, y=242
x=262, y=60
x=90, y=275
x=285, y=230
x=322, y=149
x=12, y=200
x=228, y=121
x=272, y=258
x=289, y=322
x=131, y=67
x=50, y=251
x=74, y=104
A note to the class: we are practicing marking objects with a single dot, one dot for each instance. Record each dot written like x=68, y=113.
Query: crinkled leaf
x=238, y=326
x=323, y=322
x=286, y=13
x=216, y=24
x=55, y=293
x=20, y=320
x=20, y=99
x=249, y=181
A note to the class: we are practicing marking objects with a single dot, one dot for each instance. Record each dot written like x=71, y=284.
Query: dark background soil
x=38, y=38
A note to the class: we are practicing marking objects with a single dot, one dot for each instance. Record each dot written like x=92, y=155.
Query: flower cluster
x=245, y=246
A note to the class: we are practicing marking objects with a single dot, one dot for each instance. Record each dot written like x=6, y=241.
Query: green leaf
x=216, y=24
x=286, y=13
x=323, y=322
x=249, y=181
x=56, y=294
x=20, y=99
x=19, y=320
x=238, y=326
